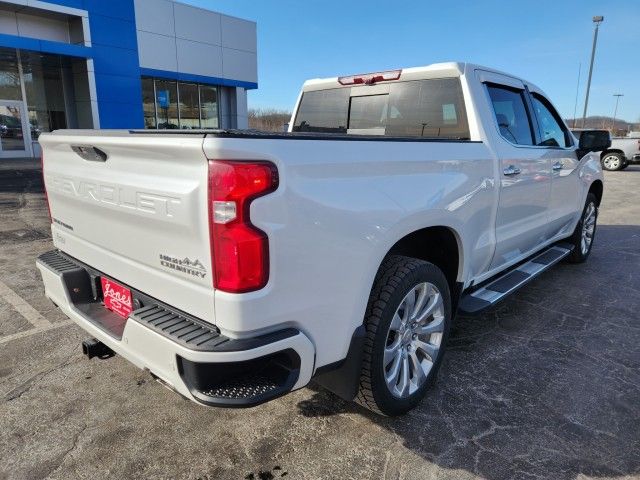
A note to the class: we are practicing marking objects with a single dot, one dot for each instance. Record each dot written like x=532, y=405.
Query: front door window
x=553, y=132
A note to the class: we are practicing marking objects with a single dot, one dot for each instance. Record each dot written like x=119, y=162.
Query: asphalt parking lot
x=546, y=385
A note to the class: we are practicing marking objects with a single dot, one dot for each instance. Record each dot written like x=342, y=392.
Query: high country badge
x=184, y=265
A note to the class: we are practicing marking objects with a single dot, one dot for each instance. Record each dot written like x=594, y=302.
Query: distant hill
x=601, y=122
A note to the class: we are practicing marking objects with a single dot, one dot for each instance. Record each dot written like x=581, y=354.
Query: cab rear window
x=423, y=108
x=323, y=111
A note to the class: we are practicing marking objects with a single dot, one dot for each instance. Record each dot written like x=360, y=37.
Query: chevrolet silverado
x=237, y=266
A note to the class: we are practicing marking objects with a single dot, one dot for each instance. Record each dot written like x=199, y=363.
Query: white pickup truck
x=237, y=266
x=622, y=152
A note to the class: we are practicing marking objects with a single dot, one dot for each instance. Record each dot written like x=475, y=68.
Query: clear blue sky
x=541, y=40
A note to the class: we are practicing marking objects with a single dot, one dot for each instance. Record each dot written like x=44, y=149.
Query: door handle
x=511, y=170
x=557, y=166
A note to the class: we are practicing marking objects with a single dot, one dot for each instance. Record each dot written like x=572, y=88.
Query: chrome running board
x=508, y=282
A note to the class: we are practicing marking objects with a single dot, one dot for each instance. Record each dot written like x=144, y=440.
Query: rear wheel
x=613, y=161
x=583, y=235
x=408, y=319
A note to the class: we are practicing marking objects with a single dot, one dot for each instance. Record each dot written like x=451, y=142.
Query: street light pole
x=597, y=20
x=615, y=112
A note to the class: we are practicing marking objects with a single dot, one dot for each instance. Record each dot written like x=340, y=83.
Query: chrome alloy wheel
x=588, y=227
x=611, y=162
x=413, y=340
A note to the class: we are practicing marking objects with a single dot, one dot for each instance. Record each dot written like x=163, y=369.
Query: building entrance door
x=15, y=135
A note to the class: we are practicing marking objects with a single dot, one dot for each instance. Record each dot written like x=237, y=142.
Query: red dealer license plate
x=116, y=297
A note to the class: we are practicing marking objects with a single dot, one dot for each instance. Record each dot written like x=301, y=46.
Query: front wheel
x=583, y=235
x=407, y=321
x=613, y=162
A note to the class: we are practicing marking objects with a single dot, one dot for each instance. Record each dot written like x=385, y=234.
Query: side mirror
x=594, y=141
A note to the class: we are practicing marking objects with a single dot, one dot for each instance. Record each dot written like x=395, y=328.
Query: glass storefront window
x=148, y=103
x=11, y=132
x=209, y=106
x=172, y=105
x=9, y=75
x=42, y=76
x=189, y=106
x=167, y=102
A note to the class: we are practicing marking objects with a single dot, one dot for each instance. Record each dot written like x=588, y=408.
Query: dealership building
x=120, y=64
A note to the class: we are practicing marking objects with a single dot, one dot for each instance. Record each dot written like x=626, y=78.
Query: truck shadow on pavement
x=542, y=385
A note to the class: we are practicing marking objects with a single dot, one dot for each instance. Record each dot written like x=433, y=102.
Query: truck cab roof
x=435, y=70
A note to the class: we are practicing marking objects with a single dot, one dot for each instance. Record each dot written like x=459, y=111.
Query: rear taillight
x=239, y=250
x=44, y=187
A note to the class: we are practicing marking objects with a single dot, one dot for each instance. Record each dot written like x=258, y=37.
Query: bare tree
x=268, y=119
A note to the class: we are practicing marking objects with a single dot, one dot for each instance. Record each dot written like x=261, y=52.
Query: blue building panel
x=116, y=67
x=113, y=32
x=60, y=48
x=188, y=77
x=110, y=8
x=69, y=3
x=121, y=115
x=118, y=89
x=20, y=42
x=122, y=9
x=44, y=46
x=116, y=61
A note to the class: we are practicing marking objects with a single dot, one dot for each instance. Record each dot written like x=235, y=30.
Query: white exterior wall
x=46, y=21
x=34, y=26
x=242, y=114
x=181, y=38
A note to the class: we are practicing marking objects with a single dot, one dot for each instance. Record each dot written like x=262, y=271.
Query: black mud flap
x=342, y=378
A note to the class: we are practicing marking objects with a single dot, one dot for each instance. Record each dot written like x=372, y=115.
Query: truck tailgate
x=140, y=216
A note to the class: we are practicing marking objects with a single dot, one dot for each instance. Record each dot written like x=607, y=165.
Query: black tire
x=397, y=276
x=578, y=255
x=612, y=161
x=626, y=164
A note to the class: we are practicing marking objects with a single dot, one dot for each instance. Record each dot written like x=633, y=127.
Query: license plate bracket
x=116, y=297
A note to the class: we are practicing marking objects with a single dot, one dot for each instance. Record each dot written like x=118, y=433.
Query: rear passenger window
x=427, y=108
x=323, y=111
x=511, y=114
x=553, y=132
